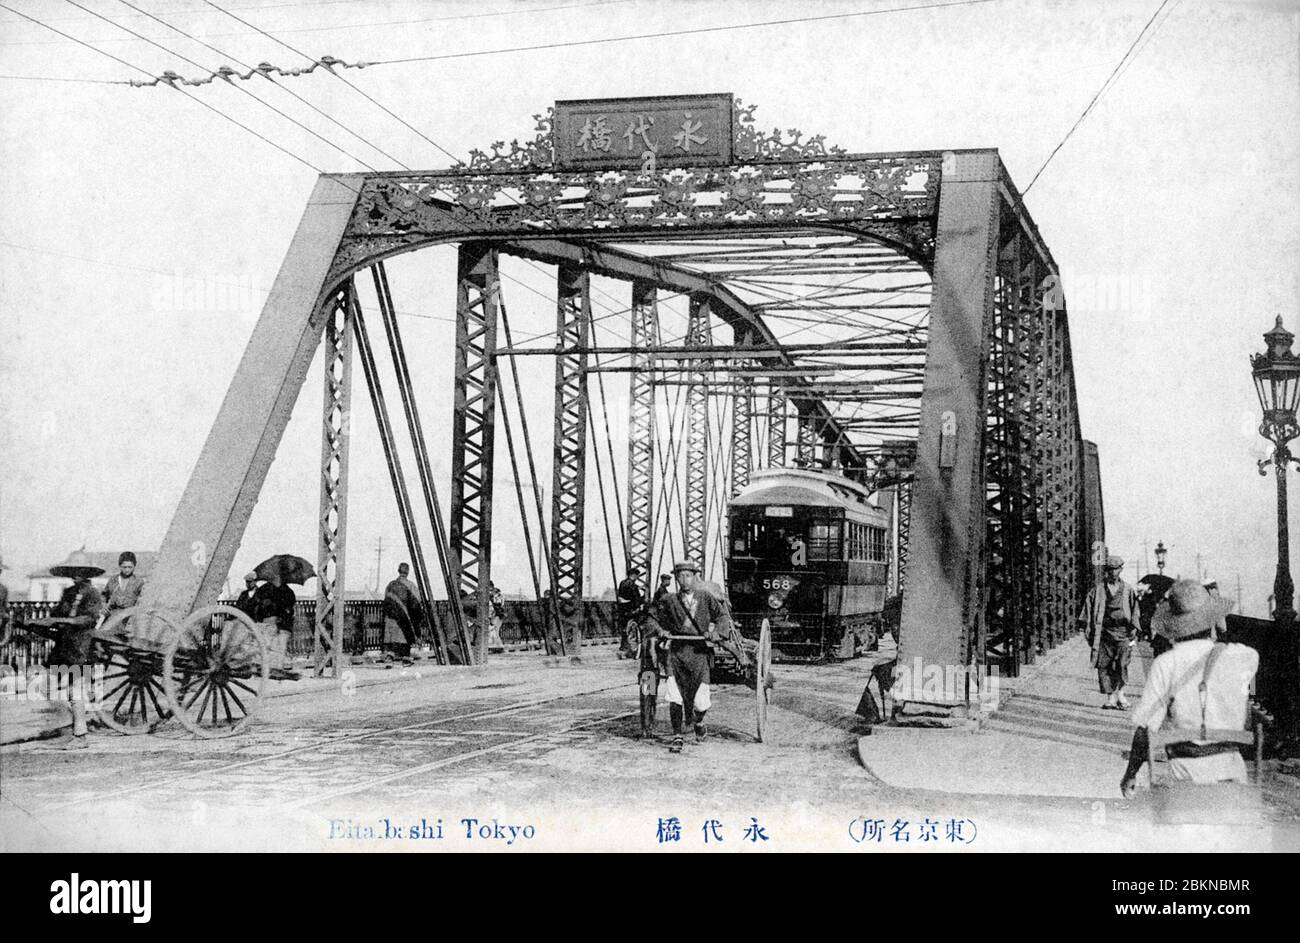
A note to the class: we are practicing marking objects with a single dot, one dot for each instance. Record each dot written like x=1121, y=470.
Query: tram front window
x=770, y=543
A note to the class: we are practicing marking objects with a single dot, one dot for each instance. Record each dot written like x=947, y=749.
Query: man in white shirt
x=1197, y=685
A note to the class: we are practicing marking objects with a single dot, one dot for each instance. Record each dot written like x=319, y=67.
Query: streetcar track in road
x=458, y=758
x=349, y=738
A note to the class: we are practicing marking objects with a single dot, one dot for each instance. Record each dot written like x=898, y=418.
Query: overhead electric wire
x=283, y=88
x=369, y=24
x=618, y=39
x=172, y=52
x=194, y=98
x=1104, y=85
x=569, y=44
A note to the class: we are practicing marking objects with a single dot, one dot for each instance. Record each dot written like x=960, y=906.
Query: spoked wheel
x=132, y=699
x=763, y=685
x=215, y=670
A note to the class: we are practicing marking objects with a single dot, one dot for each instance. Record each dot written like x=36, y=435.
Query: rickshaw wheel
x=215, y=670
x=134, y=700
x=763, y=670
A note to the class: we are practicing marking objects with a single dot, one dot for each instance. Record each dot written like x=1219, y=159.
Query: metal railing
x=522, y=627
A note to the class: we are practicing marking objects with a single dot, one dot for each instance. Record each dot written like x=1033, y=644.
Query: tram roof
x=799, y=487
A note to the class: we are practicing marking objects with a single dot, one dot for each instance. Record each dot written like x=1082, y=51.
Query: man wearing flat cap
x=1200, y=685
x=1111, y=622
x=123, y=590
x=688, y=612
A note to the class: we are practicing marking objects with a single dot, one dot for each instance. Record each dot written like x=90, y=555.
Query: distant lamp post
x=1277, y=381
x=1161, y=552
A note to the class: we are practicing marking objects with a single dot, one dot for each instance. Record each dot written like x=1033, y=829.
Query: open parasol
x=292, y=569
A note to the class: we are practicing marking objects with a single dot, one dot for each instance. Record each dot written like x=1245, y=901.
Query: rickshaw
x=726, y=669
x=209, y=672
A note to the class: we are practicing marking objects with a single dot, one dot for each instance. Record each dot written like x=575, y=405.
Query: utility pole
x=379, y=562
x=1241, y=602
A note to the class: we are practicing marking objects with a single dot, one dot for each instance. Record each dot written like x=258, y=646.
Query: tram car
x=808, y=552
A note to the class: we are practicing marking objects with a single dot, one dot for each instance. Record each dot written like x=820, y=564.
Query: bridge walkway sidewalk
x=1047, y=736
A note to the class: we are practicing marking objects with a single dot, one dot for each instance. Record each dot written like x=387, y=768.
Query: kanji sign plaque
x=685, y=130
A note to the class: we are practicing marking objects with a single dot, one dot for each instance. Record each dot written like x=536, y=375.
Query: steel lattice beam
x=641, y=430
x=777, y=409
x=742, y=419
x=472, y=433
x=569, y=482
x=805, y=442
x=698, y=334
x=327, y=645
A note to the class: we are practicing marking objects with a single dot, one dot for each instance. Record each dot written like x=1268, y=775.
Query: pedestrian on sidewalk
x=688, y=612
x=247, y=601
x=1111, y=624
x=630, y=600
x=4, y=608
x=1225, y=605
x=275, y=604
x=1198, y=684
x=402, y=611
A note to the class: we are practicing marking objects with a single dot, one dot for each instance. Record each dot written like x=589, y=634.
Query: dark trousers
x=689, y=664
x=1112, y=663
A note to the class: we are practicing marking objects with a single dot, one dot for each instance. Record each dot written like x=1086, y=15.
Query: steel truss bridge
x=894, y=317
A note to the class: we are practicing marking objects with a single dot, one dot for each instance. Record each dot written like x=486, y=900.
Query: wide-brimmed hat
x=77, y=566
x=686, y=565
x=1187, y=610
x=1113, y=563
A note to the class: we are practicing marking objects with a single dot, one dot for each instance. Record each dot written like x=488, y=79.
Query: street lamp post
x=1161, y=551
x=1277, y=381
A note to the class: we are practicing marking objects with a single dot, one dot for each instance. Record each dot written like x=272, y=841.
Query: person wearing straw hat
x=1198, y=684
x=688, y=612
x=77, y=612
x=1111, y=622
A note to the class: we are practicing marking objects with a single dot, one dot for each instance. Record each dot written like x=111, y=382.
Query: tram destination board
x=685, y=130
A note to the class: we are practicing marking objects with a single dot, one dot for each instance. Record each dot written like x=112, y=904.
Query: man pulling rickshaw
x=692, y=622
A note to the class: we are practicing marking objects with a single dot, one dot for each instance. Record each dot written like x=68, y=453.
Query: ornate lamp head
x=1277, y=382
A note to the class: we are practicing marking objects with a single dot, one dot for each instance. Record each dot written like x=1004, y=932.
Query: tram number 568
x=782, y=583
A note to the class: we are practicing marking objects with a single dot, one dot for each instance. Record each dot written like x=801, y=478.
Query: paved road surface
x=550, y=750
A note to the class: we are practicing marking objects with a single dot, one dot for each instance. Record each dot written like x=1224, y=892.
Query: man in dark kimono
x=247, y=601
x=1111, y=621
x=630, y=600
x=123, y=590
x=402, y=611
x=77, y=613
x=275, y=605
x=690, y=612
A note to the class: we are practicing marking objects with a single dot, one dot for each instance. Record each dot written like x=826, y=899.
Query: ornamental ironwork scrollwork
x=752, y=144
x=537, y=154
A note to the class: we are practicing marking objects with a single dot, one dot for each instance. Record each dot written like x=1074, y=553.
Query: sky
x=139, y=230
